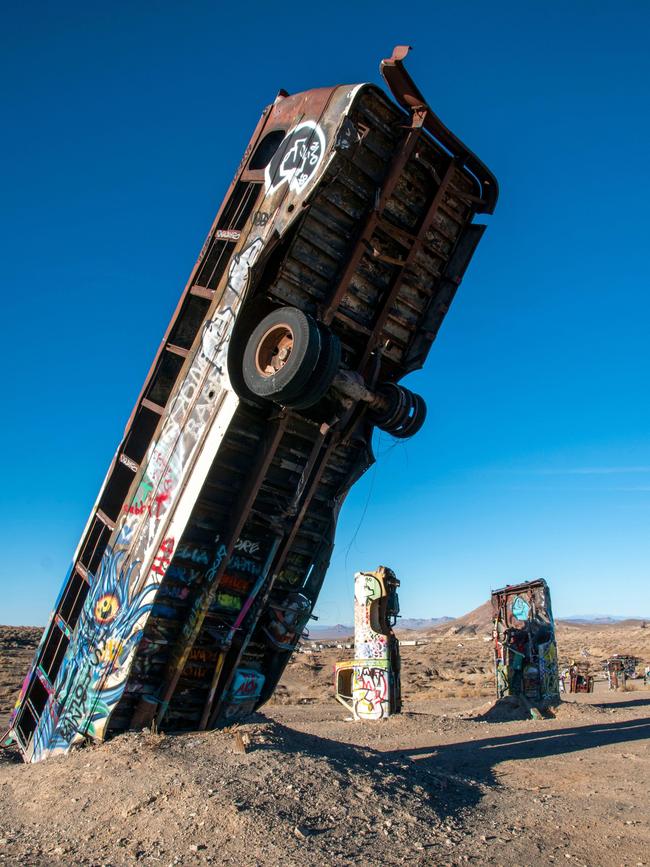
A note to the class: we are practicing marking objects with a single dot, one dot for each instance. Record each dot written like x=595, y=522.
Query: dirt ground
x=300, y=784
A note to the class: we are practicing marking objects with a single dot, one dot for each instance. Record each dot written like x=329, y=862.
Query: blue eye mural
x=93, y=676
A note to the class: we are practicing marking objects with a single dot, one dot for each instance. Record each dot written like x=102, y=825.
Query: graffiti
x=227, y=234
x=194, y=554
x=366, y=589
x=246, y=685
x=525, y=650
x=243, y=564
x=375, y=649
x=93, y=674
x=234, y=582
x=202, y=654
x=297, y=159
x=236, y=563
x=195, y=672
x=348, y=135
x=216, y=332
x=288, y=577
x=503, y=683
x=228, y=601
x=548, y=669
x=286, y=620
x=370, y=693
x=146, y=502
x=75, y=708
x=163, y=558
x=261, y=218
x=169, y=591
x=520, y=608
x=128, y=462
x=140, y=551
x=106, y=608
x=240, y=267
x=107, y=652
x=369, y=684
x=183, y=574
x=246, y=546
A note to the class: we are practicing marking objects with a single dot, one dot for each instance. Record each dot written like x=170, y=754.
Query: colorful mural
x=369, y=685
x=525, y=650
x=209, y=540
x=94, y=671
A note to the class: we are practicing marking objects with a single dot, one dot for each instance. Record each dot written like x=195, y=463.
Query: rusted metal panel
x=525, y=650
x=577, y=678
x=619, y=668
x=212, y=533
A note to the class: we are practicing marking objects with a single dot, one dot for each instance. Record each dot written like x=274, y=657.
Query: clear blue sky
x=123, y=124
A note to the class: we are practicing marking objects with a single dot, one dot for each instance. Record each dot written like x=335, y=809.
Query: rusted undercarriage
x=323, y=281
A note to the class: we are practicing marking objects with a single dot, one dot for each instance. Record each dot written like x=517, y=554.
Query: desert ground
x=452, y=780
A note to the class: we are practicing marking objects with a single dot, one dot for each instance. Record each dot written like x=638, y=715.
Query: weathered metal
x=619, y=667
x=579, y=678
x=525, y=650
x=369, y=685
x=215, y=524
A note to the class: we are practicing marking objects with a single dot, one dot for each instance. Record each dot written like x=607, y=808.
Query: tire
x=324, y=372
x=281, y=355
x=405, y=414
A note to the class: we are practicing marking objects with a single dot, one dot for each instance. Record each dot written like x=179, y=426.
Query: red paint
x=164, y=557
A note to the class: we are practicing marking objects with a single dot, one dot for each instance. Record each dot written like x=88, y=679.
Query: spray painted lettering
x=297, y=159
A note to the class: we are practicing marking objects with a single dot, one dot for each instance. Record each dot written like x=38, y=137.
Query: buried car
x=323, y=281
x=525, y=649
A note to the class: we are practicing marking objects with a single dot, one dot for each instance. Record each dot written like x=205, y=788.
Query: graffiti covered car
x=323, y=281
x=525, y=649
x=369, y=685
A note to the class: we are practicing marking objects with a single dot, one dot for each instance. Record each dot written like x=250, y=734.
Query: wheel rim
x=274, y=349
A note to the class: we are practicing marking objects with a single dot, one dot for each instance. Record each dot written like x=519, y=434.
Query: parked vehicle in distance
x=323, y=281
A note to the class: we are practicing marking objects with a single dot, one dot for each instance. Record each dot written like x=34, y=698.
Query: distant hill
x=323, y=632
x=420, y=624
x=479, y=621
x=326, y=632
x=476, y=622
x=601, y=619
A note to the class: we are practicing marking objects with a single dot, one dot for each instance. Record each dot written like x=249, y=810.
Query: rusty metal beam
x=154, y=407
x=390, y=298
x=408, y=95
x=373, y=219
x=202, y=292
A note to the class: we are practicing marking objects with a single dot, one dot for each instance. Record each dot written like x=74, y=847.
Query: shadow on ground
x=452, y=776
x=610, y=705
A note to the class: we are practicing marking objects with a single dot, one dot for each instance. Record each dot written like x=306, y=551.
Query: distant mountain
x=419, y=623
x=599, y=619
x=322, y=632
x=477, y=622
x=325, y=632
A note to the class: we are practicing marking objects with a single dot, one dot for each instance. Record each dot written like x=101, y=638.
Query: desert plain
x=451, y=780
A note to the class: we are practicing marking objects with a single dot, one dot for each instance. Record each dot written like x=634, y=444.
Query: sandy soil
x=301, y=785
